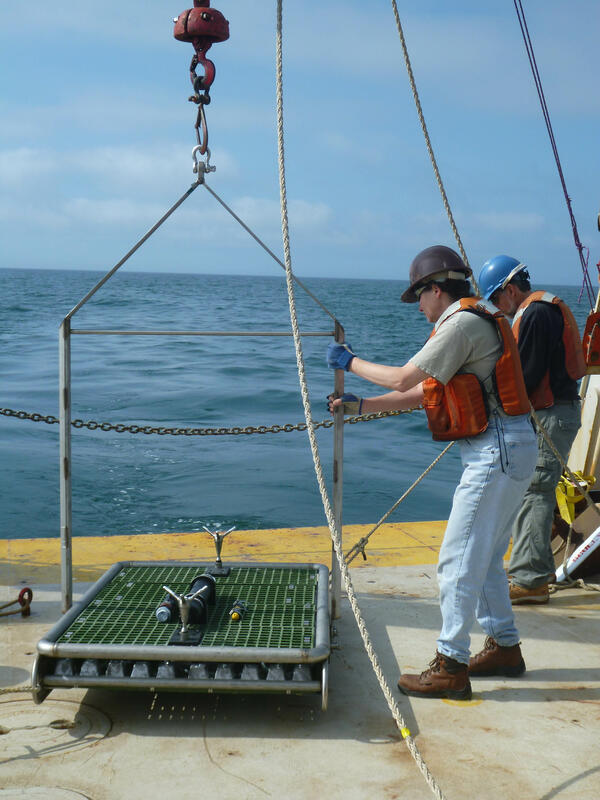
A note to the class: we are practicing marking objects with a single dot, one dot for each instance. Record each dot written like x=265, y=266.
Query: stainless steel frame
x=49, y=650
x=65, y=333
x=48, y=646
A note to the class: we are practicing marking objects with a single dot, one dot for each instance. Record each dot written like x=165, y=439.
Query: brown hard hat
x=434, y=263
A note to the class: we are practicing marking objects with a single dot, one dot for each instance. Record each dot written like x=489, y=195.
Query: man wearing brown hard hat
x=468, y=378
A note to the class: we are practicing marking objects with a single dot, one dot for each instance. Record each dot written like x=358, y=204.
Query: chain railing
x=236, y=430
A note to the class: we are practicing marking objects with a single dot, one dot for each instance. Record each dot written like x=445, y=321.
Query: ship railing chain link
x=333, y=527
x=247, y=430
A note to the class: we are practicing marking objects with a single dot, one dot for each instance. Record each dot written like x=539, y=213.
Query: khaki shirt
x=462, y=342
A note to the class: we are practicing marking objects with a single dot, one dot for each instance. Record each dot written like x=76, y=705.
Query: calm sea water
x=124, y=483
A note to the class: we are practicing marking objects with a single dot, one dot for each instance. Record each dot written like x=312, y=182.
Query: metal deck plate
x=113, y=639
x=281, y=608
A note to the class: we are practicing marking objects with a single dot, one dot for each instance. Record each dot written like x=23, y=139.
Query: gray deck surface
x=532, y=738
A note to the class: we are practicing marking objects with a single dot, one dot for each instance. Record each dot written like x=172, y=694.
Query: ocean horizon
x=127, y=483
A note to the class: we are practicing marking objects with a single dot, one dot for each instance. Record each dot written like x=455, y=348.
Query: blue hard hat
x=496, y=273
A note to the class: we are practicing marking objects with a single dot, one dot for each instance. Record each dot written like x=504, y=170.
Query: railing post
x=338, y=482
x=66, y=556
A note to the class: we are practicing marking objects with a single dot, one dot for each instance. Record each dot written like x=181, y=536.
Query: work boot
x=495, y=659
x=520, y=596
x=444, y=678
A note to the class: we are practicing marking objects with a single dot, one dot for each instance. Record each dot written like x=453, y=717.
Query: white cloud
x=105, y=142
x=30, y=216
x=112, y=19
x=145, y=167
x=122, y=112
x=509, y=221
x=122, y=212
x=309, y=215
x=23, y=165
x=475, y=60
x=265, y=213
x=116, y=169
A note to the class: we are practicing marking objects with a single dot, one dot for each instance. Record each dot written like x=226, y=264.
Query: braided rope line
x=436, y=170
x=359, y=547
x=17, y=690
x=334, y=531
x=577, y=583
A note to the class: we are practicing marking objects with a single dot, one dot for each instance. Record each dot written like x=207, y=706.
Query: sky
x=96, y=136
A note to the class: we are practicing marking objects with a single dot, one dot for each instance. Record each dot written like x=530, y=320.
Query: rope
x=546, y=114
x=359, y=547
x=436, y=170
x=17, y=689
x=334, y=530
x=578, y=583
x=23, y=600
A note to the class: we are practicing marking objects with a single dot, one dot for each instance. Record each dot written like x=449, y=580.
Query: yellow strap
x=568, y=494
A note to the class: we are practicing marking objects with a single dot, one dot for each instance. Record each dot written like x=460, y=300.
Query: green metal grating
x=281, y=608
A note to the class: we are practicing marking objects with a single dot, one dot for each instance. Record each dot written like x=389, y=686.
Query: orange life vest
x=458, y=410
x=575, y=365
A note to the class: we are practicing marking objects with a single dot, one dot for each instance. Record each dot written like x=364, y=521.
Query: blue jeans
x=498, y=465
x=531, y=560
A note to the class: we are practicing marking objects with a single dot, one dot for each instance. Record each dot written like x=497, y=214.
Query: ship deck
x=534, y=737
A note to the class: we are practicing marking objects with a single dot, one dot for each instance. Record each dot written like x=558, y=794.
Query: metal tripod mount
x=185, y=635
x=218, y=569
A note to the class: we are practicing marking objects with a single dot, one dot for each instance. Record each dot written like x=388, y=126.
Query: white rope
x=333, y=528
x=17, y=690
x=577, y=583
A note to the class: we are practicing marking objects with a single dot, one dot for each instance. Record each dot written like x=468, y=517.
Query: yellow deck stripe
x=394, y=544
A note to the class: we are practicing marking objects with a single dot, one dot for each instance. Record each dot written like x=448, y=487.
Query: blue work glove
x=339, y=356
x=350, y=403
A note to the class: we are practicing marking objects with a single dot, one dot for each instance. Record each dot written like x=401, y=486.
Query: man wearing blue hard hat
x=552, y=360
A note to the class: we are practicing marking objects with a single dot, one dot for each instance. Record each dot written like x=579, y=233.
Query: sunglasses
x=495, y=296
x=421, y=289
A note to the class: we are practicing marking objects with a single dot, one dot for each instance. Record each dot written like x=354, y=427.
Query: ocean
x=127, y=483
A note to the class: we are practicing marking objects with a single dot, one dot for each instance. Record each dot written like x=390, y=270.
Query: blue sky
x=96, y=136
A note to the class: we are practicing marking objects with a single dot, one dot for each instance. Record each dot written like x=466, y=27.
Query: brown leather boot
x=444, y=678
x=497, y=660
x=520, y=596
